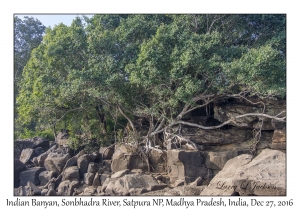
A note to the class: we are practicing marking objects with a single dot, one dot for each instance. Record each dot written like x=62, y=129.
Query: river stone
x=30, y=175
x=264, y=175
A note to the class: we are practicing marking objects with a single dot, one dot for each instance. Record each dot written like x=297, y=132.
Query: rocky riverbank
x=221, y=163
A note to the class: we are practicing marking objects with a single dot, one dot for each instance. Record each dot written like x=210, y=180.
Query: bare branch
x=230, y=120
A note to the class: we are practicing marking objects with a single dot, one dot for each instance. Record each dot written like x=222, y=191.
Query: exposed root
x=179, y=140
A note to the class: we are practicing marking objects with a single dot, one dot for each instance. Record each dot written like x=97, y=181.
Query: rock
x=18, y=168
x=39, y=161
x=179, y=182
x=58, y=180
x=120, y=173
x=158, y=160
x=82, y=163
x=185, y=165
x=99, y=190
x=122, y=186
x=96, y=181
x=216, y=137
x=29, y=190
x=264, y=175
x=185, y=191
x=217, y=160
x=225, y=112
x=92, y=168
x=107, y=165
x=71, y=162
x=34, y=189
x=51, y=186
x=55, y=162
x=45, y=177
x=63, y=188
x=38, y=151
x=157, y=192
x=106, y=153
x=137, y=191
x=44, y=192
x=30, y=175
x=33, y=143
x=279, y=139
x=95, y=156
x=80, y=153
x=197, y=182
x=88, y=178
x=125, y=157
x=51, y=192
x=137, y=171
x=66, y=188
x=26, y=155
x=71, y=173
x=103, y=178
x=62, y=138
x=89, y=191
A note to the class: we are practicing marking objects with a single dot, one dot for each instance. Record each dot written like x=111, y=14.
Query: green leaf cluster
x=149, y=66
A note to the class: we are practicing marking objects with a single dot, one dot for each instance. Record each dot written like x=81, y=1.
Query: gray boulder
x=55, y=162
x=185, y=165
x=261, y=176
x=82, y=163
x=71, y=173
x=33, y=143
x=18, y=168
x=185, y=191
x=106, y=153
x=126, y=184
x=30, y=175
x=45, y=177
x=88, y=178
x=66, y=188
x=29, y=190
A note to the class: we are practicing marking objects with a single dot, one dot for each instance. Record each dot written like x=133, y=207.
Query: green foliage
x=27, y=133
x=149, y=66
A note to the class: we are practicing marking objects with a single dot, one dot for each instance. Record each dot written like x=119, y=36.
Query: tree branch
x=230, y=120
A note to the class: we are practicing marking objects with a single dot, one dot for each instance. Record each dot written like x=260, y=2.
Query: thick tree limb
x=230, y=120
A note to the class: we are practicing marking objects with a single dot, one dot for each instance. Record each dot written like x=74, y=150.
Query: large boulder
x=33, y=143
x=263, y=175
x=106, y=153
x=28, y=153
x=273, y=107
x=66, y=188
x=45, y=177
x=30, y=175
x=216, y=137
x=126, y=157
x=279, y=139
x=88, y=178
x=185, y=165
x=158, y=160
x=39, y=161
x=185, y=191
x=71, y=173
x=56, y=161
x=18, y=168
x=29, y=190
x=62, y=138
x=71, y=162
x=131, y=183
x=92, y=168
x=217, y=160
x=83, y=163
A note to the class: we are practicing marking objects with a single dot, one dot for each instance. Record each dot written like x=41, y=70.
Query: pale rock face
x=263, y=175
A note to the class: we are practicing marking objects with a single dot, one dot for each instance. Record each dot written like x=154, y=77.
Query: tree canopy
x=100, y=73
